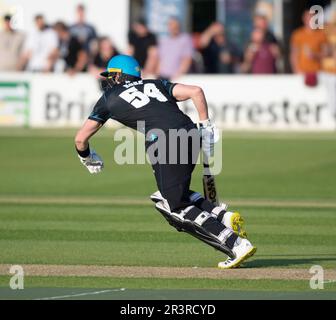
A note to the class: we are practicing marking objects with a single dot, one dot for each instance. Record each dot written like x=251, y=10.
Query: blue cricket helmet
x=123, y=64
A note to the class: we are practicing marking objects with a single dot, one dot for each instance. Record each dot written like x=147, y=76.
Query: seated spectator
x=84, y=32
x=260, y=56
x=143, y=46
x=40, y=48
x=308, y=47
x=11, y=43
x=175, y=52
x=106, y=51
x=70, y=50
x=218, y=54
x=260, y=21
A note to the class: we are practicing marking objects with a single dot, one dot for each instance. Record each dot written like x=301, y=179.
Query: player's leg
x=178, y=210
x=173, y=178
x=208, y=229
x=242, y=248
x=201, y=225
x=172, y=175
x=173, y=181
x=232, y=220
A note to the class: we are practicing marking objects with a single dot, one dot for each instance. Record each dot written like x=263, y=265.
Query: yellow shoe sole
x=242, y=259
x=237, y=223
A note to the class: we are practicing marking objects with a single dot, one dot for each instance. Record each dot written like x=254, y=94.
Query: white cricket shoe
x=242, y=249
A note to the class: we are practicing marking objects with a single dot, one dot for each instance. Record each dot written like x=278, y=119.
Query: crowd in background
x=78, y=48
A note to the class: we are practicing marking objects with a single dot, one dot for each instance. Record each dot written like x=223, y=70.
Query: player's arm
x=208, y=130
x=182, y=92
x=84, y=134
x=88, y=157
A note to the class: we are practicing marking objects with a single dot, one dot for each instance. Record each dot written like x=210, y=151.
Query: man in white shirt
x=40, y=49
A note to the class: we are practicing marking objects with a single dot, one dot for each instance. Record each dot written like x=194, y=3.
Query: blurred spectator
x=70, y=51
x=175, y=52
x=218, y=54
x=260, y=56
x=143, y=46
x=260, y=21
x=11, y=43
x=40, y=48
x=106, y=51
x=329, y=62
x=308, y=47
x=84, y=32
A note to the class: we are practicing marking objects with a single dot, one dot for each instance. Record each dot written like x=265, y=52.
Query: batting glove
x=94, y=163
x=210, y=136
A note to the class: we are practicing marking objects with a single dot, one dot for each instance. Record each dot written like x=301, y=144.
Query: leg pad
x=199, y=224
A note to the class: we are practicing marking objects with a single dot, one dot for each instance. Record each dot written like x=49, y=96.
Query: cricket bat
x=209, y=185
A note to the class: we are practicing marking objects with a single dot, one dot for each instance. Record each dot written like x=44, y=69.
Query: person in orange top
x=308, y=47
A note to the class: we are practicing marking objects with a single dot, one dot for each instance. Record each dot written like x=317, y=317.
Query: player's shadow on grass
x=287, y=262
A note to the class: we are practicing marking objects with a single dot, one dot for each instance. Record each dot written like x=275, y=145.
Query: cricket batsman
x=131, y=101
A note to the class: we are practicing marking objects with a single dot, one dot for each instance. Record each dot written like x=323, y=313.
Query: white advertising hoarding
x=14, y=103
x=280, y=102
x=235, y=102
x=62, y=100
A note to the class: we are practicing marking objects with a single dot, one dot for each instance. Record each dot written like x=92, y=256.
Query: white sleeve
x=52, y=42
x=28, y=43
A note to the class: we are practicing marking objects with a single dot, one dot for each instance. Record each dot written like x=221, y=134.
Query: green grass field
x=53, y=212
